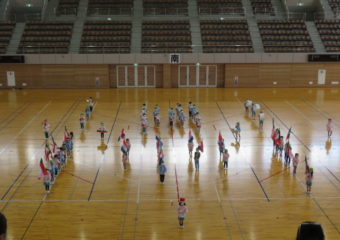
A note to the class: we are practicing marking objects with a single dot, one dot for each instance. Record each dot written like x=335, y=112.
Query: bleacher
x=46, y=37
x=165, y=7
x=262, y=7
x=213, y=7
x=106, y=37
x=110, y=7
x=6, y=31
x=227, y=36
x=335, y=5
x=285, y=36
x=67, y=7
x=166, y=37
x=329, y=31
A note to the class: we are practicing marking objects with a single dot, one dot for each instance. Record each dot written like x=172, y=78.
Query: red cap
x=182, y=199
x=329, y=119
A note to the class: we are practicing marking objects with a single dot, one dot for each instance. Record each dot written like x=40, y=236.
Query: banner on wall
x=10, y=79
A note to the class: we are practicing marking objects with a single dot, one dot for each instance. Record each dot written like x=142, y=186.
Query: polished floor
x=94, y=198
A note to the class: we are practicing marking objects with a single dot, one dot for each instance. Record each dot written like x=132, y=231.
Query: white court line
x=298, y=111
x=26, y=126
x=304, y=197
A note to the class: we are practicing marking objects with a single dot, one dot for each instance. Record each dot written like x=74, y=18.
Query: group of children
x=55, y=158
x=252, y=108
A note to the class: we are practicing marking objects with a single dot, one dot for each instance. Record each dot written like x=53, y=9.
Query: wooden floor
x=256, y=198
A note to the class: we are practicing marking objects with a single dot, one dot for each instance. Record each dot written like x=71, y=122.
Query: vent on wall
x=274, y=83
x=335, y=82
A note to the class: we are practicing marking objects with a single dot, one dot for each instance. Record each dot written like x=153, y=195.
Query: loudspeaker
x=310, y=231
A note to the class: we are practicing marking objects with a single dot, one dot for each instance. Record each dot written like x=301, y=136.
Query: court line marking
x=298, y=111
x=103, y=157
x=322, y=112
x=9, y=189
x=304, y=197
x=223, y=213
x=274, y=174
x=262, y=188
x=25, y=127
x=13, y=114
x=78, y=177
x=39, y=149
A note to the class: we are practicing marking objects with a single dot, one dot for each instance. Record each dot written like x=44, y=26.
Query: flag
x=54, y=148
x=42, y=166
x=220, y=138
x=273, y=131
x=122, y=135
x=201, y=146
x=307, y=166
x=288, y=134
x=191, y=138
x=47, y=152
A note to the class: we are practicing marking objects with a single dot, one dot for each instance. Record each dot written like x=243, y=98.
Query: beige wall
x=250, y=75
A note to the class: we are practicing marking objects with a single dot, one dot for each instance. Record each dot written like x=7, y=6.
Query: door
x=321, y=76
x=10, y=79
x=197, y=76
x=131, y=76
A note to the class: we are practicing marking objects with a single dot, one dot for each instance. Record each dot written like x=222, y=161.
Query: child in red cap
x=182, y=210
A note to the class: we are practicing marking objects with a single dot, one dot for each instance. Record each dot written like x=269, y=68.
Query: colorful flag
x=220, y=138
x=201, y=146
x=122, y=135
x=42, y=166
x=47, y=152
x=288, y=134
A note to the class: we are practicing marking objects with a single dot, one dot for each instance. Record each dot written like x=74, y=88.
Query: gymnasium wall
x=250, y=75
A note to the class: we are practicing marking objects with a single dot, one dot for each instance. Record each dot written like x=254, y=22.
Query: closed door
x=136, y=76
x=197, y=76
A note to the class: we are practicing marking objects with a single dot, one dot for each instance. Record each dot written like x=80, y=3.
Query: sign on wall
x=10, y=79
x=175, y=58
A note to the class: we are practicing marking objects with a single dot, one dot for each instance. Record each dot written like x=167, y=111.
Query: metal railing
x=110, y=11
x=165, y=11
x=104, y=49
x=319, y=15
x=296, y=16
x=267, y=11
x=240, y=11
x=66, y=11
x=42, y=50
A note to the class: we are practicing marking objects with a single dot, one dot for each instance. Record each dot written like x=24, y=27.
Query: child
x=162, y=171
x=90, y=101
x=261, y=120
x=47, y=180
x=288, y=149
x=237, y=132
x=247, y=105
x=280, y=146
x=295, y=162
x=128, y=146
x=46, y=127
x=309, y=178
x=190, y=109
x=253, y=111
x=197, y=159
x=190, y=144
x=82, y=121
x=329, y=128
x=171, y=115
x=225, y=158
x=157, y=120
x=181, y=117
x=198, y=121
x=87, y=112
x=56, y=163
x=155, y=113
x=181, y=210
x=144, y=123
x=221, y=147
x=102, y=130
x=125, y=160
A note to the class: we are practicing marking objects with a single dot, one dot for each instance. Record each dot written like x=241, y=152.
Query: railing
x=66, y=11
x=110, y=11
x=270, y=11
x=296, y=16
x=32, y=16
x=42, y=50
x=165, y=11
x=240, y=11
x=319, y=15
x=104, y=50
